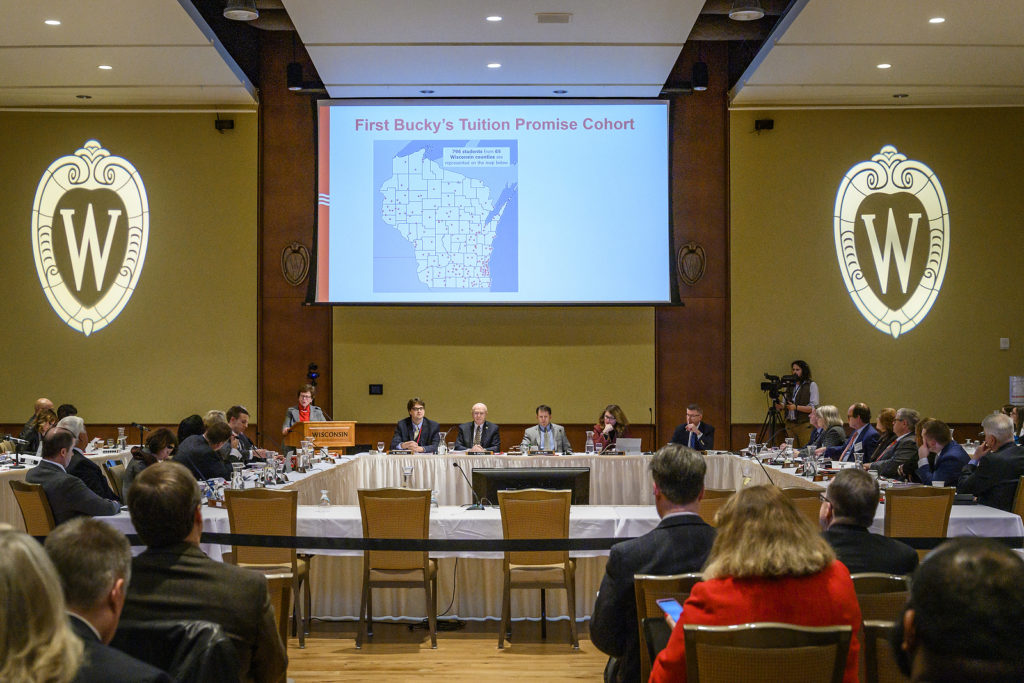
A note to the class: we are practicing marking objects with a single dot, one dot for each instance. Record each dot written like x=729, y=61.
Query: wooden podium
x=334, y=435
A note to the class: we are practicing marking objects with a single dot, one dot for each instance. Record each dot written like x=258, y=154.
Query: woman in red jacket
x=768, y=563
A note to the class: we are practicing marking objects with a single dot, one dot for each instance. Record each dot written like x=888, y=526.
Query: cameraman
x=801, y=400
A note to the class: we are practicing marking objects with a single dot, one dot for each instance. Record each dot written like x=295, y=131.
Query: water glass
x=407, y=477
x=380, y=448
x=325, y=501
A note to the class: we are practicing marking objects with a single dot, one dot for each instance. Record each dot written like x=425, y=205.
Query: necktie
x=544, y=440
x=692, y=436
x=849, y=446
x=416, y=433
x=476, y=436
x=888, y=451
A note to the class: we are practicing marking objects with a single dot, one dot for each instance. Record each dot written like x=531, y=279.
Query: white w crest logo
x=90, y=242
x=892, y=248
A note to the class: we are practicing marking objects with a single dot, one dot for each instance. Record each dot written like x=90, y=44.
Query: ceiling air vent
x=554, y=17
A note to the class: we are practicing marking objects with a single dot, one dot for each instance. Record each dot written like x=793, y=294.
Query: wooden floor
x=397, y=653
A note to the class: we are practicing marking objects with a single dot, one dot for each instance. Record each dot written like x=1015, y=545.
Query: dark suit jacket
x=679, y=544
x=67, y=495
x=833, y=436
x=1002, y=465
x=105, y=664
x=201, y=460
x=705, y=442
x=862, y=551
x=868, y=438
x=430, y=434
x=181, y=582
x=490, y=439
x=883, y=443
x=904, y=453
x=949, y=462
x=91, y=475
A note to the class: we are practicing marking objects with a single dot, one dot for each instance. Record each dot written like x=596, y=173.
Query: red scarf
x=304, y=414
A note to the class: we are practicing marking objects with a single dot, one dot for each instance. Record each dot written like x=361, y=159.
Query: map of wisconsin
x=444, y=215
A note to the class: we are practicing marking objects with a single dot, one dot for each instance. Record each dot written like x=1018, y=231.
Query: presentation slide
x=493, y=202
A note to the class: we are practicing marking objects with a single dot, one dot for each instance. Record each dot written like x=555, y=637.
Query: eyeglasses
x=824, y=499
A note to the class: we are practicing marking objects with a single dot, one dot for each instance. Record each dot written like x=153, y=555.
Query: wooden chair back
x=881, y=596
x=266, y=512
x=115, y=476
x=712, y=502
x=395, y=513
x=280, y=588
x=535, y=513
x=807, y=501
x=1018, y=500
x=879, y=662
x=766, y=652
x=35, y=508
x=648, y=590
x=918, y=512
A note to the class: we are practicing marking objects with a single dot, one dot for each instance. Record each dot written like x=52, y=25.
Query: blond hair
x=761, y=533
x=36, y=640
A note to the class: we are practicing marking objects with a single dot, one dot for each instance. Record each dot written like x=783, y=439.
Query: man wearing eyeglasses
x=695, y=433
x=902, y=452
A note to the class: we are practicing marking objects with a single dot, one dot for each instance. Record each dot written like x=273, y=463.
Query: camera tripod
x=773, y=424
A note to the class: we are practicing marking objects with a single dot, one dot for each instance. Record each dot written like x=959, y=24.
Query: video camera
x=776, y=385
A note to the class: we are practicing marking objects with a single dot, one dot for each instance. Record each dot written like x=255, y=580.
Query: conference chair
x=881, y=596
x=536, y=514
x=766, y=652
x=188, y=650
x=649, y=589
x=807, y=501
x=712, y=502
x=403, y=514
x=115, y=476
x=879, y=662
x=1018, y=500
x=280, y=588
x=270, y=512
x=918, y=512
x=35, y=508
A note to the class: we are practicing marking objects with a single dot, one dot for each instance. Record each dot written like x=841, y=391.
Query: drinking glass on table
x=380, y=448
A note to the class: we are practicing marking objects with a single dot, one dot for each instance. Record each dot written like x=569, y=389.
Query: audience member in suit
x=996, y=463
x=159, y=446
x=305, y=411
x=238, y=420
x=191, y=425
x=199, y=454
x=831, y=426
x=679, y=544
x=546, y=435
x=29, y=427
x=36, y=641
x=846, y=514
x=950, y=457
x=863, y=439
x=174, y=579
x=695, y=433
x=82, y=467
x=416, y=433
x=904, y=448
x=478, y=434
x=94, y=562
x=966, y=603
x=610, y=427
x=883, y=424
x=68, y=496
x=768, y=563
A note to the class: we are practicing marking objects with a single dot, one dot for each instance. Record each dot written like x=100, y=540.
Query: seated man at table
x=679, y=544
x=695, y=433
x=173, y=579
x=238, y=420
x=903, y=449
x=962, y=620
x=546, y=436
x=199, y=452
x=68, y=496
x=94, y=562
x=995, y=465
x=847, y=512
x=479, y=434
x=82, y=467
x=863, y=439
x=416, y=433
x=950, y=457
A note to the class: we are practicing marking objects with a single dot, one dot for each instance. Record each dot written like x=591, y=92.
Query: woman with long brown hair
x=768, y=563
x=610, y=426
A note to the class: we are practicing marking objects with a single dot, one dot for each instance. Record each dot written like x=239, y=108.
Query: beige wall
x=788, y=296
x=186, y=341
x=577, y=360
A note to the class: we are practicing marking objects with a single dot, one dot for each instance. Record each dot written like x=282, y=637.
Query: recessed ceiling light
x=559, y=92
x=494, y=17
x=105, y=67
x=52, y=22
x=937, y=20
x=883, y=65
x=427, y=92
x=494, y=65
x=84, y=97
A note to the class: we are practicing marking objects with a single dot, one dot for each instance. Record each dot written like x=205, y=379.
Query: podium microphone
x=477, y=505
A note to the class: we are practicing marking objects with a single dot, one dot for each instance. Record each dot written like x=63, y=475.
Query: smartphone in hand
x=671, y=608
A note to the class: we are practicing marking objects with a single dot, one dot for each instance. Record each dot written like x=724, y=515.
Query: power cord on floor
x=447, y=624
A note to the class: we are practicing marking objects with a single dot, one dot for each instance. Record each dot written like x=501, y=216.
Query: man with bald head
x=478, y=435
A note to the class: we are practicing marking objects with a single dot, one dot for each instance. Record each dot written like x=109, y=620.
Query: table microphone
x=477, y=505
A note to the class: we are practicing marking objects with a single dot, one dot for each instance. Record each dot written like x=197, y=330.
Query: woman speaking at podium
x=305, y=411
